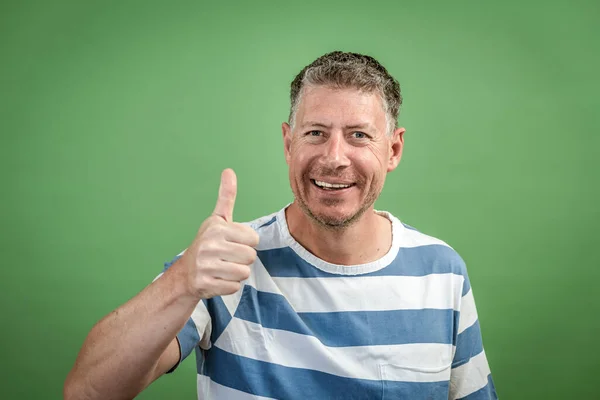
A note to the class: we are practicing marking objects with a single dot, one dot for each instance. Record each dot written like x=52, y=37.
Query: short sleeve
x=470, y=377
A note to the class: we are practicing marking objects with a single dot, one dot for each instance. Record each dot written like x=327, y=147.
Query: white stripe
x=412, y=238
x=203, y=323
x=429, y=362
x=257, y=223
x=232, y=300
x=271, y=236
x=260, y=279
x=469, y=377
x=370, y=293
x=468, y=312
x=209, y=390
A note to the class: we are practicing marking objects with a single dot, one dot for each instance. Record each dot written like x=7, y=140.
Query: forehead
x=331, y=106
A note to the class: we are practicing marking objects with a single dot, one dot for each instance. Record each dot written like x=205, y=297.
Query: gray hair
x=349, y=70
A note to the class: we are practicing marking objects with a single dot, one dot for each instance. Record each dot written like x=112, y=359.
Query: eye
x=315, y=133
x=359, y=135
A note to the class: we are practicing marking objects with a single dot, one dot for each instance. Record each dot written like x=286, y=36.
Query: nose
x=335, y=154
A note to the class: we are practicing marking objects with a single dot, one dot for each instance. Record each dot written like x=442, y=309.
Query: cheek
x=381, y=153
x=380, y=160
x=299, y=162
x=296, y=172
x=371, y=167
x=371, y=161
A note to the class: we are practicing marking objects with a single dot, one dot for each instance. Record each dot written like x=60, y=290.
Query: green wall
x=117, y=118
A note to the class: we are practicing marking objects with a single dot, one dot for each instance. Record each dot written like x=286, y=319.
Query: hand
x=220, y=256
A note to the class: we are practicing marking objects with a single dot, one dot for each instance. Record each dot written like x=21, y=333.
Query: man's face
x=339, y=153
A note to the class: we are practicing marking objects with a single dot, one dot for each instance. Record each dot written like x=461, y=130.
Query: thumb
x=227, y=193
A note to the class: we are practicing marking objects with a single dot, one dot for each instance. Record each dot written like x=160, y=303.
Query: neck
x=366, y=240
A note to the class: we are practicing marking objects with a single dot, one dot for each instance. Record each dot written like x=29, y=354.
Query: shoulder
x=271, y=230
x=432, y=252
x=262, y=222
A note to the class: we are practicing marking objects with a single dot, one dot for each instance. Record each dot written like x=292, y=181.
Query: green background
x=118, y=117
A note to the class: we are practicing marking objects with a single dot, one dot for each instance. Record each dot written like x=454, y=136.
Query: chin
x=333, y=218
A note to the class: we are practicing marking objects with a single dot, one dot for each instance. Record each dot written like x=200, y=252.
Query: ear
x=396, y=146
x=286, y=130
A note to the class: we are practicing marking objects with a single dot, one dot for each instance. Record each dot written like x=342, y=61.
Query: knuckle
x=231, y=287
x=245, y=256
x=244, y=272
x=251, y=255
x=254, y=238
x=208, y=247
x=216, y=227
x=207, y=225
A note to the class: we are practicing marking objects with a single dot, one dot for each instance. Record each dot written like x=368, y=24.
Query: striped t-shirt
x=402, y=327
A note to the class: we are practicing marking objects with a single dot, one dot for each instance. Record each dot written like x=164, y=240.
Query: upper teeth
x=331, y=185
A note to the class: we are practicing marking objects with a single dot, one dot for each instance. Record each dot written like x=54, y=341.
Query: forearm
x=119, y=357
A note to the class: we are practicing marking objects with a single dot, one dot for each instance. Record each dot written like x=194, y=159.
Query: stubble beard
x=337, y=224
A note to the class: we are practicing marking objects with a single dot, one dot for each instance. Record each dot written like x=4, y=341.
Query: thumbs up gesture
x=220, y=256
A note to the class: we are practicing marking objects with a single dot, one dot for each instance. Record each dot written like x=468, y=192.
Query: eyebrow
x=322, y=125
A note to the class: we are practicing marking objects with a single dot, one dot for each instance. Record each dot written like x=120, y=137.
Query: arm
x=132, y=346
x=135, y=344
x=470, y=377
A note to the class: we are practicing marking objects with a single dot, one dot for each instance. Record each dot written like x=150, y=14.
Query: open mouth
x=331, y=186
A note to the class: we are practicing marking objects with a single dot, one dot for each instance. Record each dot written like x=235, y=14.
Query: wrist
x=179, y=286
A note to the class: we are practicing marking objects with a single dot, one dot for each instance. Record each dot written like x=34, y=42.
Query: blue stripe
x=219, y=315
x=413, y=261
x=468, y=344
x=360, y=328
x=188, y=338
x=466, y=284
x=488, y=392
x=271, y=380
x=268, y=223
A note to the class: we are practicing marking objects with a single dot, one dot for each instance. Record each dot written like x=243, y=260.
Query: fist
x=220, y=256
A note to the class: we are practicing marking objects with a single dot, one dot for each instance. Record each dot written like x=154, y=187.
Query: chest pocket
x=415, y=383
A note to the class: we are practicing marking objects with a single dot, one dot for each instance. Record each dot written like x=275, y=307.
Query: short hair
x=349, y=70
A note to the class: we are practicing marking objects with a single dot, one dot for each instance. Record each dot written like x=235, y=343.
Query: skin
x=340, y=137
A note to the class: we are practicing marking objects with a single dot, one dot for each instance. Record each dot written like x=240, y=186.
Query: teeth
x=331, y=185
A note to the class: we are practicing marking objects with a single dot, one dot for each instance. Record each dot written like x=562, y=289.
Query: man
x=324, y=299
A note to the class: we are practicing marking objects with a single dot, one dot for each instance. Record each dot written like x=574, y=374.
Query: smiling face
x=339, y=153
